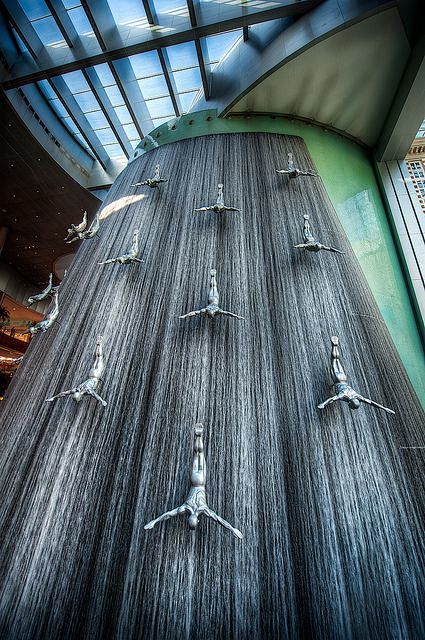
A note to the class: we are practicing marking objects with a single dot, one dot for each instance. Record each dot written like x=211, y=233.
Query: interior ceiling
x=337, y=82
x=38, y=200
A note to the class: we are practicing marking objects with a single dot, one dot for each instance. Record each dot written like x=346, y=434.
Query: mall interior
x=212, y=281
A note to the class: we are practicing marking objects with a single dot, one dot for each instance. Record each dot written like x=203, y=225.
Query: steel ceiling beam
x=192, y=12
x=150, y=12
x=170, y=84
x=59, y=24
x=204, y=76
x=126, y=100
x=23, y=27
x=109, y=54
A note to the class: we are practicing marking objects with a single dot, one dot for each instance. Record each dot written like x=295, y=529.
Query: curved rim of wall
x=324, y=144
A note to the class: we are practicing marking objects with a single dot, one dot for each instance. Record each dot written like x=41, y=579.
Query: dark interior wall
x=328, y=503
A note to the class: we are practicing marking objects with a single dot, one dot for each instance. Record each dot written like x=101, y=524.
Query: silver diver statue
x=131, y=256
x=77, y=228
x=89, y=233
x=212, y=309
x=50, y=318
x=219, y=206
x=196, y=502
x=342, y=390
x=292, y=171
x=310, y=243
x=152, y=182
x=48, y=291
x=89, y=386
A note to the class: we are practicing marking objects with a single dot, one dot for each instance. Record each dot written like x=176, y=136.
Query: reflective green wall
x=349, y=178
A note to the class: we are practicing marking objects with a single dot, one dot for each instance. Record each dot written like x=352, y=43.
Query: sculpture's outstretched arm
x=203, y=209
x=109, y=261
x=98, y=398
x=62, y=394
x=74, y=239
x=332, y=249
x=300, y=246
x=231, y=209
x=166, y=516
x=284, y=171
x=212, y=514
x=375, y=404
x=322, y=405
x=137, y=260
x=191, y=314
x=221, y=312
x=307, y=173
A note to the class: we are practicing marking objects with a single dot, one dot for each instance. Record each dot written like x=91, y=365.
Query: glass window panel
x=182, y=56
x=34, y=9
x=70, y=124
x=104, y=74
x=86, y=101
x=188, y=79
x=153, y=87
x=48, y=31
x=186, y=100
x=76, y=82
x=217, y=46
x=114, y=95
x=80, y=21
x=21, y=44
x=131, y=132
x=158, y=121
x=106, y=136
x=114, y=151
x=145, y=64
x=160, y=108
x=127, y=11
x=97, y=119
x=170, y=6
x=58, y=107
x=134, y=143
x=47, y=90
x=123, y=115
x=69, y=4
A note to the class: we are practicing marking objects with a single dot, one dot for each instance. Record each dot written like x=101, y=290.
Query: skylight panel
x=97, y=119
x=145, y=64
x=81, y=23
x=34, y=9
x=48, y=32
x=176, y=7
x=127, y=12
x=47, y=89
x=218, y=46
x=123, y=115
x=106, y=136
x=114, y=151
x=160, y=108
x=186, y=100
x=158, y=121
x=182, y=56
x=86, y=101
x=104, y=74
x=153, y=87
x=187, y=80
x=69, y=4
x=131, y=132
x=114, y=95
x=76, y=82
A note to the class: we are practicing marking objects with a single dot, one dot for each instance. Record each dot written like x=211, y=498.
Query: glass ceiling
x=107, y=107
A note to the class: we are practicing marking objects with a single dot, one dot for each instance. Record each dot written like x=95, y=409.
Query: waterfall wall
x=329, y=503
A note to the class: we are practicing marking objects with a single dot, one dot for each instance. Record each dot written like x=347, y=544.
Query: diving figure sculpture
x=196, y=502
x=90, y=233
x=131, y=256
x=89, y=386
x=342, y=390
x=212, y=309
x=152, y=182
x=77, y=228
x=292, y=171
x=48, y=291
x=310, y=243
x=50, y=318
x=219, y=205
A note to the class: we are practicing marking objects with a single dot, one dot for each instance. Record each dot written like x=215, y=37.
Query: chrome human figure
x=152, y=182
x=90, y=233
x=292, y=171
x=48, y=291
x=196, y=503
x=50, y=318
x=219, y=206
x=77, y=228
x=212, y=309
x=127, y=258
x=310, y=243
x=342, y=390
x=89, y=386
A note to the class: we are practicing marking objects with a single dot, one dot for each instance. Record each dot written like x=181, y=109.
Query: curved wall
x=328, y=502
x=349, y=178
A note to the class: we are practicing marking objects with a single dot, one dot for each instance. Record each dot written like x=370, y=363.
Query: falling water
x=328, y=502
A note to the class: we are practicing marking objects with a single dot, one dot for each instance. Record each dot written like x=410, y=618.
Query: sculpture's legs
x=198, y=475
x=337, y=372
